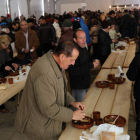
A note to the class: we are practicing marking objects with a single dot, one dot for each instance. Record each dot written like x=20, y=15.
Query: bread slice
x=3, y=86
x=105, y=135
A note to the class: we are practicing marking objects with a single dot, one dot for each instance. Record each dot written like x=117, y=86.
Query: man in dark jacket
x=46, y=35
x=125, y=24
x=80, y=72
x=133, y=74
x=104, y=40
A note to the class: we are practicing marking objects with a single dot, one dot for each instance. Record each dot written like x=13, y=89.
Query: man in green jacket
x=44, y=106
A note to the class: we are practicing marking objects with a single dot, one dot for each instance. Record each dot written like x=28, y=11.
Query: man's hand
x=26, y=51
x=96, y=63
x=8, y=50
x=116, y=40
x=78, y=115
x=7, y=31
x=8, y=68
x=78, y=105
x=113, y=40
x=15, y=66
x=33, y=49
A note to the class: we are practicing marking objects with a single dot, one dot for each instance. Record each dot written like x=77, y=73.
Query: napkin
x=104, y=127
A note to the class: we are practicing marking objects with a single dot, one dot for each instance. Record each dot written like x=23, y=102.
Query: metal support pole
x=28, y=5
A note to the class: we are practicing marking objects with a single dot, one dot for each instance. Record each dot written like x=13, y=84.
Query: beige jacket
x=113, y=35
x=94, y=31
x=45, y=100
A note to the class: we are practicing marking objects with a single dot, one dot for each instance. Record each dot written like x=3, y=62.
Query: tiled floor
x=8, y=132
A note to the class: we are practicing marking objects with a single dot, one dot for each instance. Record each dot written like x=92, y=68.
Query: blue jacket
x=85, y=29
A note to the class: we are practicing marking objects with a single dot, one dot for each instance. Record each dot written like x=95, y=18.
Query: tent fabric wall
x=104, y=5
x=46, y=6
x=36, y=8
x=51, y=6
x=123, y=2
x=91, y=4
x=17, y=5
x=3, y=8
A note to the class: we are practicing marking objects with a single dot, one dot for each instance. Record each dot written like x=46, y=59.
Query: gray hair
x=23, y=21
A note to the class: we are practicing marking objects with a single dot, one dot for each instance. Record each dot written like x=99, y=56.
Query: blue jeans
x=26, y=59
x=79, y=94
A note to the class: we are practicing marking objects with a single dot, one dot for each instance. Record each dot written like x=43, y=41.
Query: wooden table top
x=116, y=101
x=11, y=90
x=120, y=59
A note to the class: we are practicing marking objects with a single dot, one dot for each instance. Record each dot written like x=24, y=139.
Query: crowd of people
x=61, y=42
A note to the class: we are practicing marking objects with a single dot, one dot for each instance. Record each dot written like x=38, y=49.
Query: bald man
x=80, y=72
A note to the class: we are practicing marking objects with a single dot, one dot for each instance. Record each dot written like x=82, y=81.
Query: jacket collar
x=54, y=65
x=21, y=32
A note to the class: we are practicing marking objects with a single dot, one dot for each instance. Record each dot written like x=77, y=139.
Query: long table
x=105, y=100
x=120, y=59
x=11, y=90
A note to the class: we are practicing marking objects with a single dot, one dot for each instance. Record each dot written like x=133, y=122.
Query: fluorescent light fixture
x=43, y=7
x=19, y=11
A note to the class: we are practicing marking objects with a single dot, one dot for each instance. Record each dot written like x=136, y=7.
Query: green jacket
x=42, y=107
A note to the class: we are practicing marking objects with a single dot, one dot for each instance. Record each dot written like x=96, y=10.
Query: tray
x=3, y=80
x=119, y=80
x=120, y=122
x=11, y=73
x=104, y=85
x=83, y=125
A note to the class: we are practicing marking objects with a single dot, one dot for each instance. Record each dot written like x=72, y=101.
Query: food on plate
x=3, y=86
x=85, y=120
x=132, y=42
x=23, y=70
x=17, y=78
x=24, y=74
x=117, y=50
x=103, y=83
x=105, y=135
x=109, y=120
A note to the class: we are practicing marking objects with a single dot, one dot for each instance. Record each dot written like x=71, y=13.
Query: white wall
x=3, y=9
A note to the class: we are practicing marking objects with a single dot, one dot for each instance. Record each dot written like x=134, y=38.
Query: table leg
x=18, y=100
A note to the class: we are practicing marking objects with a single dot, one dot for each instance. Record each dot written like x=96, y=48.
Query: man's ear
x=61, y=56
x=74, y=39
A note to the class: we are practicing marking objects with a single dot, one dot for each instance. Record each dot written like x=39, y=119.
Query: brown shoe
x=4, y=110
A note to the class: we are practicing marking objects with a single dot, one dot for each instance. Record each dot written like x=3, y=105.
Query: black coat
x=5, y=60
x=133, y=74
x=125, y=22
x=47, y=33
x=104, y=41
x=79, y=73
